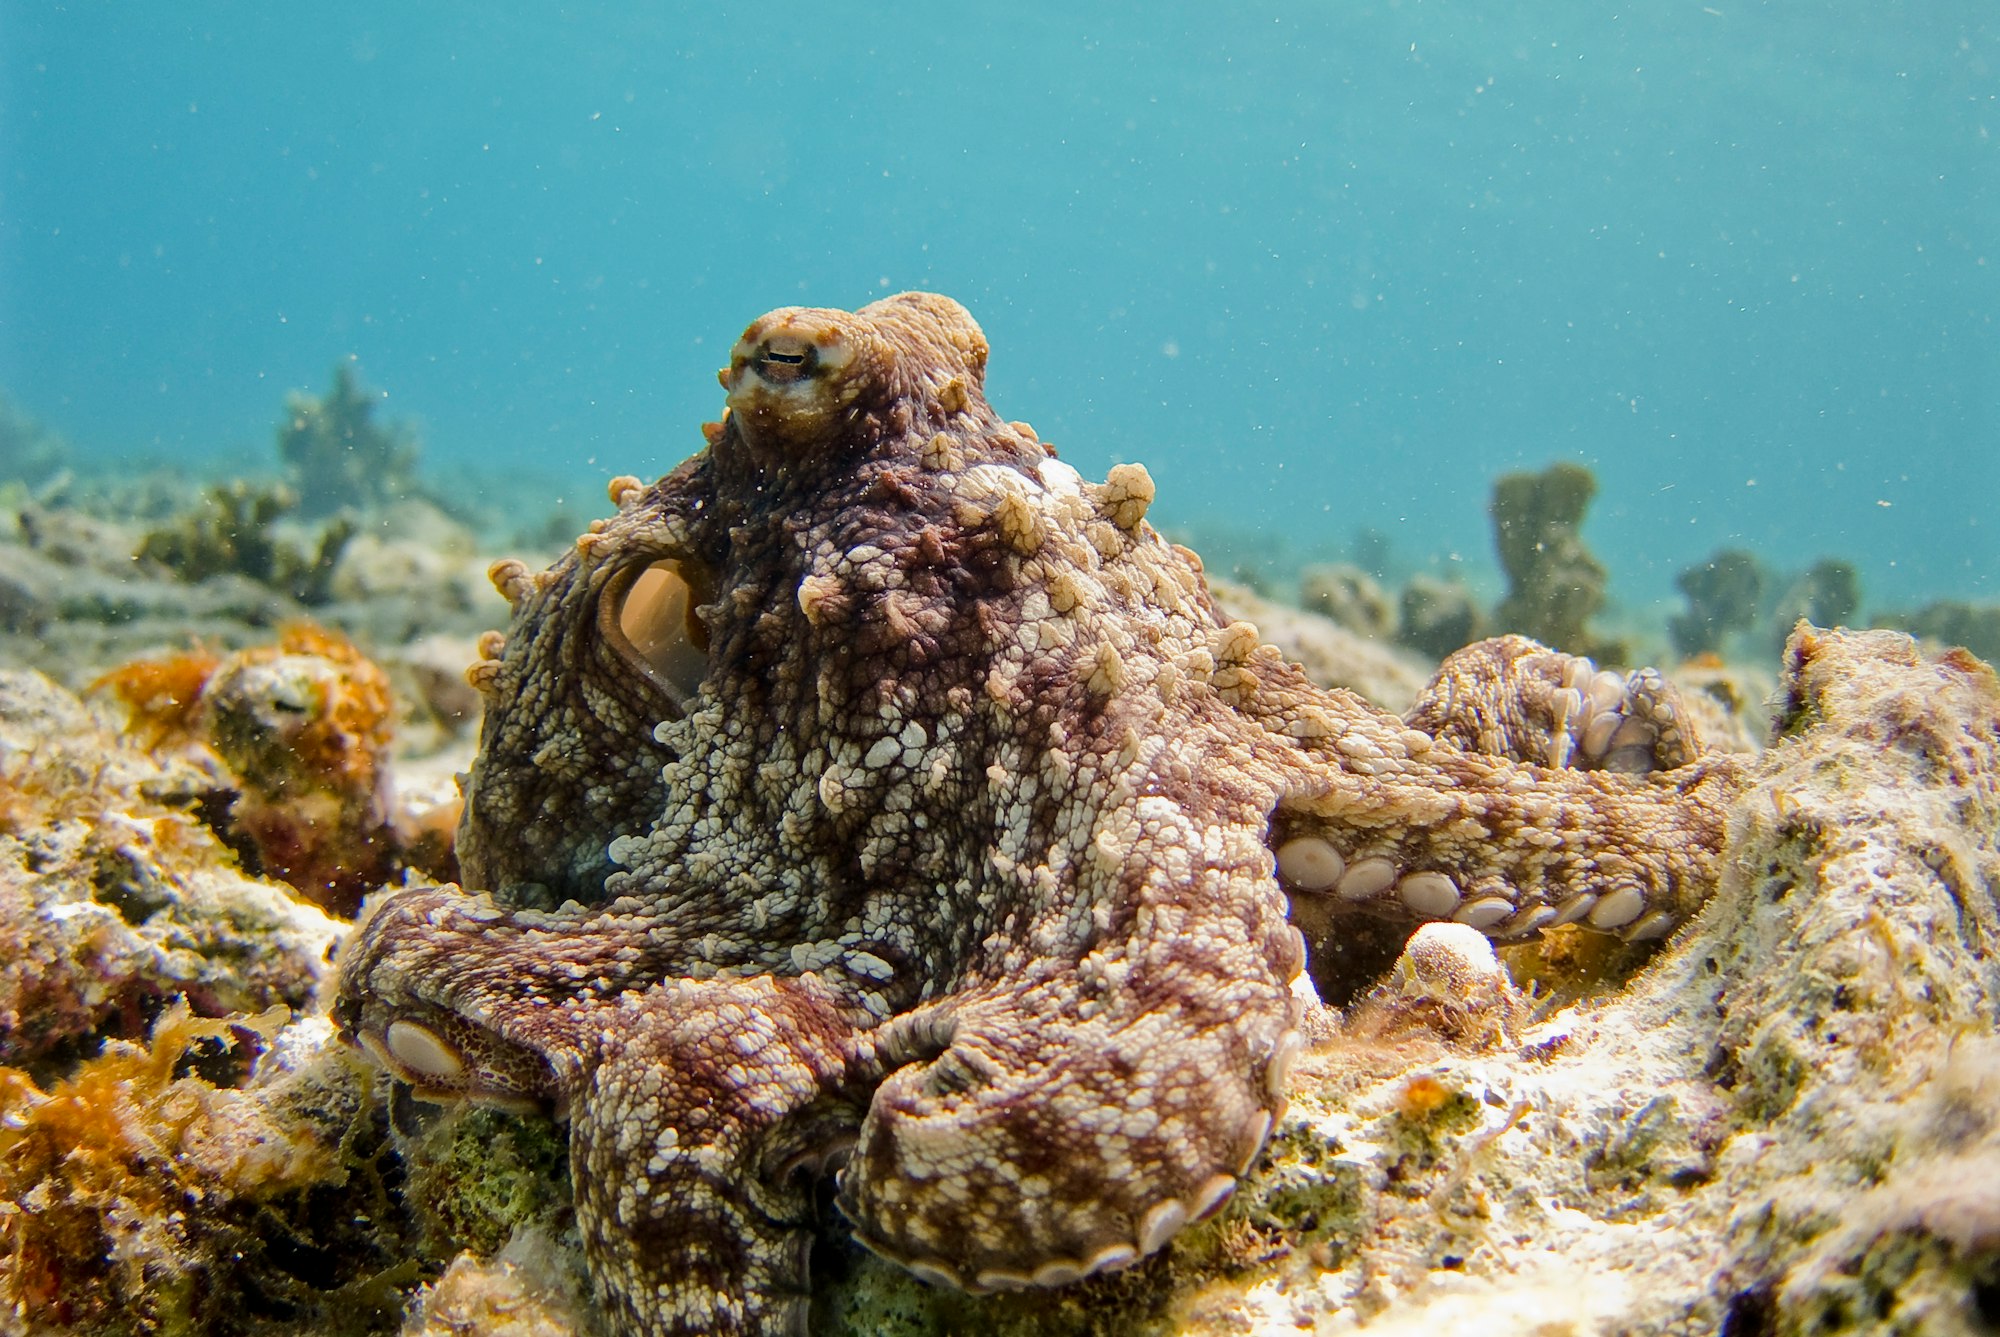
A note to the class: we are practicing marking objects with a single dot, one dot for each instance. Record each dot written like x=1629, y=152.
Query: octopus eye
x=783, y=361
x=647, y=616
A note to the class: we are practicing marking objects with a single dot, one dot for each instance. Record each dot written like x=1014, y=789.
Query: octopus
x=875, y=800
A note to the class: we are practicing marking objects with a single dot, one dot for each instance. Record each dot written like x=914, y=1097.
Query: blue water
x=1320, y=266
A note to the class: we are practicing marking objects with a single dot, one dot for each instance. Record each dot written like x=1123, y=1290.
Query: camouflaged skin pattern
x=874, y=795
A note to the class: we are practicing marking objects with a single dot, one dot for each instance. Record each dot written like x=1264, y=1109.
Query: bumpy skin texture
x=874, y=793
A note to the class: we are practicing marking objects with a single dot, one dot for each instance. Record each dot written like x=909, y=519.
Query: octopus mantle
x=874, y=795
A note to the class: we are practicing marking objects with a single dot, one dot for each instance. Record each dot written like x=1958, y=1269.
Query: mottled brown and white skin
x=873, y=795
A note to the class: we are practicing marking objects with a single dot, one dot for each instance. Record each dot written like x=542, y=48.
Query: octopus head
x=803, y=380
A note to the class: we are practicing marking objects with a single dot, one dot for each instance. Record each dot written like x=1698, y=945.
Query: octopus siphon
x=874, y=797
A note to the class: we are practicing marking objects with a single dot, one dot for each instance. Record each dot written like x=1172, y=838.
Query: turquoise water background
x=1320, y=266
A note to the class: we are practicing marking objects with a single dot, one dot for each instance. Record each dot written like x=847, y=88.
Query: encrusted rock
x=114, y=896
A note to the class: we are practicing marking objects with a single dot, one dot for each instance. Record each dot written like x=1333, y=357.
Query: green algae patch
x=478, y=1176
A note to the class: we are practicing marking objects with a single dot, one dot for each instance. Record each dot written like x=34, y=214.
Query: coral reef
x=533, y=1289
x=1730, y=701
x=154, y=1187
x=184, y=1184
x=97, y=1170
x=1780, y=1119
x=99, y=568
x=1330, y=654
x=1432, y=616
x=1735, y=602
x=74, y=603
x=304, y=727
x=479, y=1177
x=1555, y=585
x=336, y=454
x=1826, y=594
x=1784, y=1125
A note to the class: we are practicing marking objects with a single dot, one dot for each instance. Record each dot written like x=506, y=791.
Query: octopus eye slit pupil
x=783, y=367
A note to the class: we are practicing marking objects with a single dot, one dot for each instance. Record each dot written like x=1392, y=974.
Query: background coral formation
x=1975, y=626
x=336, y=454
x=1555, y=586
x=1723, y=596
x=1736, y=603
x=300, y=732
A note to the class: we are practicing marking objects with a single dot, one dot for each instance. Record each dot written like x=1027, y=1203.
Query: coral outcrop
x=1555, y=585
x=304, y=726
x=335, y=452
x=1724, y=595
x=1435, y=617
x=174, y=1157
x=74, y=603
x=531, y=1290
x=1331, y=654
x=1736, y=603
x=300, y=732
x=116, y=897
x=148, y=1184
x=1351, y=597
x=134, y=1198
x=1826, y=594
x=1431, y=616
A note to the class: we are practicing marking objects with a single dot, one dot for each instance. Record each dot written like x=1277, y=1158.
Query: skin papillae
x=873, y=795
